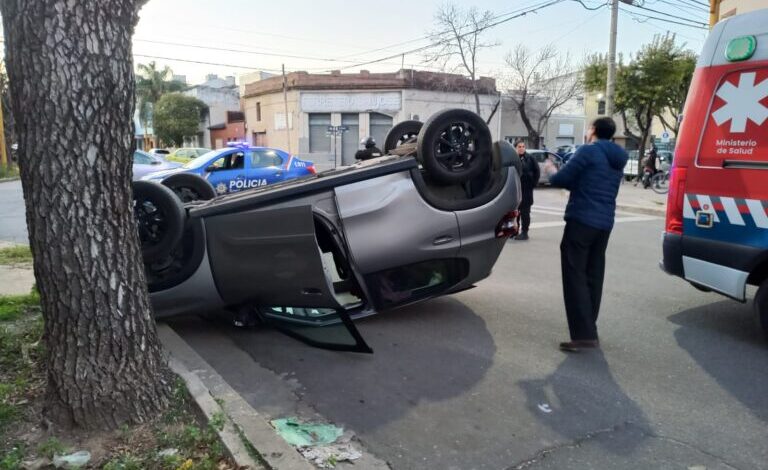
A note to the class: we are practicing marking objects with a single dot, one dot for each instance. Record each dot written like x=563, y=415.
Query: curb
x=213, y=395
x=657, y=211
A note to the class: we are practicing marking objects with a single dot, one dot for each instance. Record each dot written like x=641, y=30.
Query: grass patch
x=11, y=171
x=13, y=307
x=178, y=440
x=18, y=254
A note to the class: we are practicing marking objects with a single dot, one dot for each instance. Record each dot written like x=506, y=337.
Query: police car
x=235, y=168
x=716, y=234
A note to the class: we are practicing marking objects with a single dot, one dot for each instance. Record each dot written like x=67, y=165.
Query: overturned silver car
x=430, y=218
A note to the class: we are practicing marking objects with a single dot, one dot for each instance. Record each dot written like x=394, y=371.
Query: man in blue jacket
x=592, y=175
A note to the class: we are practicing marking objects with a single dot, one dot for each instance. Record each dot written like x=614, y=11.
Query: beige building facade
x=721, y=9
x=329, y=114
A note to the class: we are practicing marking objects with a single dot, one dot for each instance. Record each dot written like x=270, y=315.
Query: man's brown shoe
x=578, y=345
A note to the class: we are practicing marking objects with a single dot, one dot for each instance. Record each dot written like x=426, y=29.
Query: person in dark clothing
x=528, y=180
x=593, y=176
x=370, y=150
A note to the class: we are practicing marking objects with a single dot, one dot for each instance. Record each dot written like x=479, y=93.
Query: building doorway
x=350, y=138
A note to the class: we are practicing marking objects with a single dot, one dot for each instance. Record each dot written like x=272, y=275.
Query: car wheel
x=159, y=219
x=454, y=146
x=401, y=133
x=190, y=187
x=760, y=305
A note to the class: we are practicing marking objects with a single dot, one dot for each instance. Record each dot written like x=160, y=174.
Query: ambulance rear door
x=725, y=225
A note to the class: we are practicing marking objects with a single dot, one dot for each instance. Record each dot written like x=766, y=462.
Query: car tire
x=760, y=306
x=160, y=219
x=400, y=133
x=454, y=146
x=189, y=187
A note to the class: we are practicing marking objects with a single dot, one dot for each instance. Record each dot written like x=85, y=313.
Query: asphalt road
x=475, y=380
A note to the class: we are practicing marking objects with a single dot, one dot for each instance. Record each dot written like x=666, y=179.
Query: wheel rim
x=186, y=194
x=152, y=221
x=457, y=146
x=405, y=138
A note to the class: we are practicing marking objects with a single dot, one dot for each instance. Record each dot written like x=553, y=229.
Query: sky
x=317, y=36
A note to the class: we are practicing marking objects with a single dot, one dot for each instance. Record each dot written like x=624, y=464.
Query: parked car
x=145, y=163
x=185, y=154
x=549, y=163
x=160, y=152
x=308, y=255
x=232, y=169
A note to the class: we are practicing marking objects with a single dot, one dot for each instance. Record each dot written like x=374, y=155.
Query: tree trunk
x=533, y=134
x=70, y=69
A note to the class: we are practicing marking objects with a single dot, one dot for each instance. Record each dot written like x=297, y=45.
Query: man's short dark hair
x=605, y=127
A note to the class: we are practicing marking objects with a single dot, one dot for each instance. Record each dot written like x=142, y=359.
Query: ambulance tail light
x=311, y=169
x=676, y=200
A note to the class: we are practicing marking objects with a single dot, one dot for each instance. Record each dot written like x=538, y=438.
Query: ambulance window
x=736, y=130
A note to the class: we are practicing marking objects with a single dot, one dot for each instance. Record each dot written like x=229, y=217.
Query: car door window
x=265, y=159
x=141, y=159
x=234, y=161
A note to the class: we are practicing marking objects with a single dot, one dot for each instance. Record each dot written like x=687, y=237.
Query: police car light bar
x=238, y=144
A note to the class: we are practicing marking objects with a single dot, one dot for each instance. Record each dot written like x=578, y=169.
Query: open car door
x=323, y=328
x=281, y=262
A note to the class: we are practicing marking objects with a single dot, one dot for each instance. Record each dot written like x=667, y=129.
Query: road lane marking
x=619, y=220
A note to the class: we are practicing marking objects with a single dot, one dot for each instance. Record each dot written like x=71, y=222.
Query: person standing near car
x=370, y=150
x=592, y=176
x=528, y=180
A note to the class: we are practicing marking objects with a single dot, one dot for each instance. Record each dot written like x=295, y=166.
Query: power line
x=430, y=36
x=705, y=5
x=438, y=43
x=667, y=14
x=684, y=8
x=205, y=63
x=635, y=14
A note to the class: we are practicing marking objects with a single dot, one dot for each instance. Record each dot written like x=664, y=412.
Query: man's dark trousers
x=525, y=217
x=582, y=255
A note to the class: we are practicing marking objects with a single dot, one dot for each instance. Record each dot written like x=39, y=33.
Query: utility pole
x=3, y=152
x=285, y=103
x=610, y=91
x=714, y=12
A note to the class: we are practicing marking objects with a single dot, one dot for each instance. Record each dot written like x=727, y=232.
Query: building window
x=601, y=107
x=258, y=111
x=319, y=140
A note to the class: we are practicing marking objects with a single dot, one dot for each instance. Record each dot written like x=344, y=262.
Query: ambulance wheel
x=190, y=187
x=159, y=218
x=401, y=133
x=760, y=304
x=454, y=146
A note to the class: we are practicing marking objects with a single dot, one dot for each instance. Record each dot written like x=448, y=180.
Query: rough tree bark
x=70, y=69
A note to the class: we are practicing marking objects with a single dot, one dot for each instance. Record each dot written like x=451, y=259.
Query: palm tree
x=151, y=84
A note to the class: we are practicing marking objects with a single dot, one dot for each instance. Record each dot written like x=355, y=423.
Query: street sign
x=665, y=137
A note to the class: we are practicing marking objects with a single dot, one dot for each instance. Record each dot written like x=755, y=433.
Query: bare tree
x=458, y=35
x=70, y=70
x=538, y=83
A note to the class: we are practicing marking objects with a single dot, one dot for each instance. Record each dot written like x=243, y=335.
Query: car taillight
x=311, y=169
x=676, y=200
x=507, y=226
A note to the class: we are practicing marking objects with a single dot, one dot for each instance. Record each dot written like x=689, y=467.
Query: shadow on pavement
x=584, y=401
x=724, y=340
x=427, y=353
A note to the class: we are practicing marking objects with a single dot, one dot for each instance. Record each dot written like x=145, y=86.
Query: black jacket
x=368, y=153
x=529, y=178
